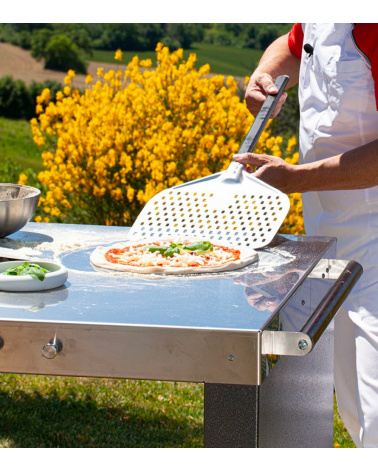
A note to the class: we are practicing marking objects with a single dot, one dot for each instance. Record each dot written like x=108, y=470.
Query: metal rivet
x=230, y=357
x=303, y=344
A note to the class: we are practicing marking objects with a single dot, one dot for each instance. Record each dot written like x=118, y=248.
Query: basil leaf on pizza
x=199, y=247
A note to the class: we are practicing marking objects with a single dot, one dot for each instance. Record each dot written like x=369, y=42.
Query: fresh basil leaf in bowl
x=34, y=270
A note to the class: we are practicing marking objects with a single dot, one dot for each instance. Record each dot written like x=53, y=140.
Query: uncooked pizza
x=179, y=256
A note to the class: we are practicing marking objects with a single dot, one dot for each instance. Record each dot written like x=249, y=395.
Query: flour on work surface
x=55, y=240
x=35, y=248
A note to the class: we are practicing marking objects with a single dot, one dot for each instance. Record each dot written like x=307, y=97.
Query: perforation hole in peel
x=247, y=219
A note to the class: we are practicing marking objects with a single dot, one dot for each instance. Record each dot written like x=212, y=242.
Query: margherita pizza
x=181, y=256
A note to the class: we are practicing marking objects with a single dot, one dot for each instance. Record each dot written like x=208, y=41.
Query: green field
x=225, y=60
x=16, y=144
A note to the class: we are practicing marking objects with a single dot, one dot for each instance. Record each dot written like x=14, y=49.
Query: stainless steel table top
x=246, y=299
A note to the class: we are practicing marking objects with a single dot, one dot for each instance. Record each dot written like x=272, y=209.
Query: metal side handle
x=302, y=342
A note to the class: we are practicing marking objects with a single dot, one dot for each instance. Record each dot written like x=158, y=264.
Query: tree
x=61, y=53
x=58, y=51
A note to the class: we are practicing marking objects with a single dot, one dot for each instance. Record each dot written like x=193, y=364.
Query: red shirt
x=365, y=36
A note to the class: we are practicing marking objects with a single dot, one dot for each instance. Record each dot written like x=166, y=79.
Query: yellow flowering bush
x=293, y=223
x=129, y=135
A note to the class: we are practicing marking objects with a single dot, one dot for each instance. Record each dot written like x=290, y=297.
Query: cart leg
x=292, y=408
x=230, y=416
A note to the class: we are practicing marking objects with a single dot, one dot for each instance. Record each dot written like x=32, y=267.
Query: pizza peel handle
x=232, y=206
x=257, y=127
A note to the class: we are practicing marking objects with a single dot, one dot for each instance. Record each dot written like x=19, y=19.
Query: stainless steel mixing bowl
x=17, y=206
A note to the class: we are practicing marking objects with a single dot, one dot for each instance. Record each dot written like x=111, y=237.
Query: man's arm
x=354, y=169
x=276, y=60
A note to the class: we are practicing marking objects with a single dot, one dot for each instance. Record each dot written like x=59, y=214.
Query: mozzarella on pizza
x=181, y=256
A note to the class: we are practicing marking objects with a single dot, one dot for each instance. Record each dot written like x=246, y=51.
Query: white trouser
x=356, y=374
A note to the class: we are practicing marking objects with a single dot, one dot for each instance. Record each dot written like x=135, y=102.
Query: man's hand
x=272, y=170
x=259, y=87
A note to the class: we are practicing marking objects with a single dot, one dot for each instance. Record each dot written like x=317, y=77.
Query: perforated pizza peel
x=232, y=206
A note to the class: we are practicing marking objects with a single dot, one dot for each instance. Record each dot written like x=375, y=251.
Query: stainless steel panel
x=191, y=355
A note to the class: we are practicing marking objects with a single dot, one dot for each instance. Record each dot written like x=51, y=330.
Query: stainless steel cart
x=255, y=337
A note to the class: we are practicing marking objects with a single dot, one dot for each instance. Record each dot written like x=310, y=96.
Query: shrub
x=14, y=98
x=18, y=101
x=108, y=150
x=58, y=51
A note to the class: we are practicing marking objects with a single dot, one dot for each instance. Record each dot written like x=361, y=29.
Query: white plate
x=26, y=283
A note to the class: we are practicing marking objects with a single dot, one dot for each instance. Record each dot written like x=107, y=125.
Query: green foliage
x=245, y=35
x=78, y=33
x=62, y=54
x=20, y=34
x=128, y=37
x=11, y=170
x=106, y=36
x=58, y=51
x=18, y=101
x=182, y=34
x=14, y=98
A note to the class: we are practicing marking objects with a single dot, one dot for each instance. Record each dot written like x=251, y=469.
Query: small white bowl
x=26, y=283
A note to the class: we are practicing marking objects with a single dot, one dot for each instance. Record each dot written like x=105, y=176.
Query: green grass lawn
x=16, y=144
x=45, y=411
x=225, y=60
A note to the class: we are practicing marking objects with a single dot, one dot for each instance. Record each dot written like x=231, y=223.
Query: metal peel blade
x=232, y=206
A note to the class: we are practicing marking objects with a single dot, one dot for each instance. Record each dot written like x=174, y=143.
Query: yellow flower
x=118, y=55
x=22, y=179
x=88, y=79
x=146, y=63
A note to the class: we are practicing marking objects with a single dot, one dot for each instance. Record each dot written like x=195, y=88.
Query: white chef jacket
x=338, y=111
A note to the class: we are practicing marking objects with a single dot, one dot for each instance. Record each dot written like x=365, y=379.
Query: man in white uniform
x=336, y=65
